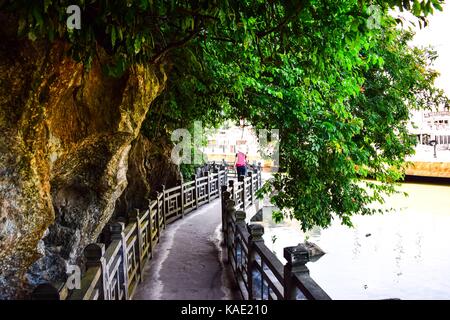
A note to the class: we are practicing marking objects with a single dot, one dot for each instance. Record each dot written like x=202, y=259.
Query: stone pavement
x=187, y=262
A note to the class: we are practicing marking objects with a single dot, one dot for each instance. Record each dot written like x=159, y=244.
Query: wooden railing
x=258, y=272
x=113, y=269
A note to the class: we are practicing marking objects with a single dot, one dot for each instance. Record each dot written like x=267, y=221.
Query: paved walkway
x=187, y=262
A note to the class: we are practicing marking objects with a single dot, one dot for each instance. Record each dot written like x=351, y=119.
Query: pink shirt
x=240, y=159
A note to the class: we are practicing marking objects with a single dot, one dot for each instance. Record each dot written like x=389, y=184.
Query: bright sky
x=437, y=34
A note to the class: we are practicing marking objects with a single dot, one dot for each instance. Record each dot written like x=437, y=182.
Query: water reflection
x=404, y=254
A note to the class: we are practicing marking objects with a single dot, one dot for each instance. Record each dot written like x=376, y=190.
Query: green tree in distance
x=338, y=88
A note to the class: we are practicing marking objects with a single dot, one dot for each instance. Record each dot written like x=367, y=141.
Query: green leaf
x=47, y=3
x=37, y=16
x=113, y=36
x=32, y=36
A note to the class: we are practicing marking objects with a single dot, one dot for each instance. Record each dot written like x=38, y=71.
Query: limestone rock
x=149, y=167
x=65, y=136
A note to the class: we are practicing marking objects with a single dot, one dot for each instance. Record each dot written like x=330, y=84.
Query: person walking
x=241, y=163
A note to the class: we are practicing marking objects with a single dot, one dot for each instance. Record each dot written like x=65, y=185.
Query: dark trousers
x=241, y=170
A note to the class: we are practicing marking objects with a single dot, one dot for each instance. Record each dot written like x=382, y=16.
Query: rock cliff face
x=149, y=167
x=65, y=139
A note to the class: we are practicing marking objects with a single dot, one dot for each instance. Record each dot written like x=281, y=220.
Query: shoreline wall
x=429, y=169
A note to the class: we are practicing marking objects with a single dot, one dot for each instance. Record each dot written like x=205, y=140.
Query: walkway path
x=187, y=262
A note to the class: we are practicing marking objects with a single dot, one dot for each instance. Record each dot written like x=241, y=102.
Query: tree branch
x=223, y=39
x=283, y=22
x=173, y=45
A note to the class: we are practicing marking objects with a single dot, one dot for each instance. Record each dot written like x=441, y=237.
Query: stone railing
x=257, y=270
x=113, y=269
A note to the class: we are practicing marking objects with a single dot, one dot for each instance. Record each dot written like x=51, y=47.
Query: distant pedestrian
x=241, y=163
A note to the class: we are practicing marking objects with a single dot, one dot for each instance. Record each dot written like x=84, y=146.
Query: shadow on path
x=187, y=263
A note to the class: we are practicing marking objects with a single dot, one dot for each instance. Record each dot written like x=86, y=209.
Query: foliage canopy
x=338, y=89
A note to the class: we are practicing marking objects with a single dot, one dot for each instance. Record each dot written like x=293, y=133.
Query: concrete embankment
x=429, y=169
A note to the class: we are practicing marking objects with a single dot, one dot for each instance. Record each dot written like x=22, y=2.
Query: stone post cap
x=45, y=291
x=226, y=194
x=94, y=251
x=256, y=231
x=230, y=204
x=240, y=216
x=117, y=227
x=134, y=214
x=296, y=256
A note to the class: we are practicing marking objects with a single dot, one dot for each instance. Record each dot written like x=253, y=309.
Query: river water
x=404, y=254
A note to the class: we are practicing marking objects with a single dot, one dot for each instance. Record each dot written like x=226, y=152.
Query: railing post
x=45, y=291
x=117, y=234
x=217, y=182
x=195, y=190
x=252, y=200
x=255, y=185
x=259, y=175
x=242, y=179
x=220, y=182
x=240, y=216
x=163, y=207
x=229, y=212
x=134, y=218
x=150, y=229
x=231, y=185
x=226, y=175
x=105, y=236
x=255, y=180
x=296, y=258
x=256, y=235
x=94, y=255
x=158, y=211
x=182, y=196
x=208, y=185
x=225, y=195
x=157, y=217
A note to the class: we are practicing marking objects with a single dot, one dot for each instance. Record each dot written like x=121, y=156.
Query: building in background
x=431, y=127
x=224, y=143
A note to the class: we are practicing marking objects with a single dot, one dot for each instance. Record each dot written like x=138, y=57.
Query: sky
x=437, y=34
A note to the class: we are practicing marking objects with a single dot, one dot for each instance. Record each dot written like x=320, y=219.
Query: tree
x=340, y=94
x=338, y=89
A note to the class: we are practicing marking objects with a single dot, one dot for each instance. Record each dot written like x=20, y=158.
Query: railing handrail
x=270, y=260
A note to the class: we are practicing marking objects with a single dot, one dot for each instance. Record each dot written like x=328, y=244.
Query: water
x=404, y=254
